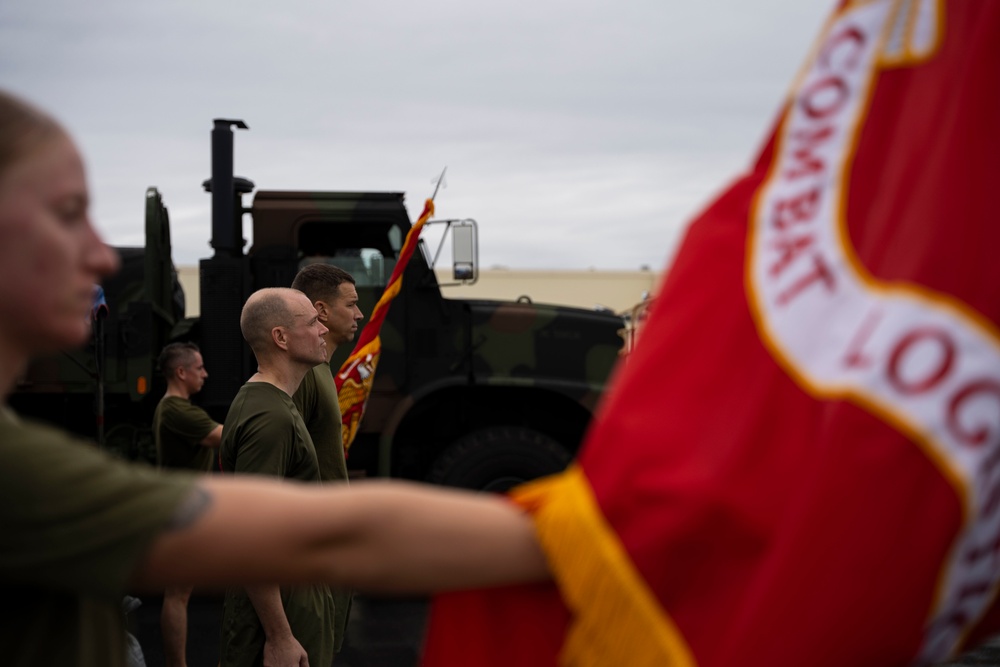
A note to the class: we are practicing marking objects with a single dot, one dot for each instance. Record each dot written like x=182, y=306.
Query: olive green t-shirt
x=179, y=427
x=316, y=399
x=75, y=524
x=265, y=435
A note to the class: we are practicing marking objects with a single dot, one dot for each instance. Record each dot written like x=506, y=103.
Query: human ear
x=278, y=336
x=322, y=310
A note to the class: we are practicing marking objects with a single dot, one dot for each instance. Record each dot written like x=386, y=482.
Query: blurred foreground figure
x=799, y=464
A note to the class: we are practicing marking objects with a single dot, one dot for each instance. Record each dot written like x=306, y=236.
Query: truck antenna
x=438, y=182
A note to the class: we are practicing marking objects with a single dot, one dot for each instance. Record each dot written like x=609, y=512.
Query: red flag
x=356, y=375
x=800, y=462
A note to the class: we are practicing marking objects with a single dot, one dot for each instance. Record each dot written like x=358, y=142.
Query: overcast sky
x=579, y=134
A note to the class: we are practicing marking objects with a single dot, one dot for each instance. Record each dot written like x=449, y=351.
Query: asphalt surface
x=382, y=632
x=988, y=654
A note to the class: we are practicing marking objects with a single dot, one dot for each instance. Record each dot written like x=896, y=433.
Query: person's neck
x=331, y=347
x=286, y=377
x=179, y=392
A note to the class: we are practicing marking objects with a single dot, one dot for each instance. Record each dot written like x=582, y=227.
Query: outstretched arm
x=378, y=536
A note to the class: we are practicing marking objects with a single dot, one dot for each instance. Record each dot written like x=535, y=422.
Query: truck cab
x=474, y=393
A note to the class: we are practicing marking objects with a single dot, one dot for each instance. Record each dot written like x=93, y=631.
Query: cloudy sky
x=578, y=134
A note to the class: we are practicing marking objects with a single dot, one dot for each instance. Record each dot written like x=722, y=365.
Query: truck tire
x=498, y=458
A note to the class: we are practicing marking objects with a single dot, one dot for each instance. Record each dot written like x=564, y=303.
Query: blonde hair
x=23, y=127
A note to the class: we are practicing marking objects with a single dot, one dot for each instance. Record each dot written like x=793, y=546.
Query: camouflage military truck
x=472, y=393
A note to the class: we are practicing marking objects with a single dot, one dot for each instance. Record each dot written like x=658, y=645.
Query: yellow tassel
x=616, y=619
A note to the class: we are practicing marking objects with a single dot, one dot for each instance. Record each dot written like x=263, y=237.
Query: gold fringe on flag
x=616, y=619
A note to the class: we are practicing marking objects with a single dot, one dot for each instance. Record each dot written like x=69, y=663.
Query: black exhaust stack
x=227, y=235
x=224, y=279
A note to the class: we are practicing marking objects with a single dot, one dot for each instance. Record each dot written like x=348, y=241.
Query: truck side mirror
x=465, y=251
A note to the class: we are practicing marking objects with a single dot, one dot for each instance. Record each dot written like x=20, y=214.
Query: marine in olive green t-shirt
x=316, y=399
x=264, y=434
x=179, y=427
x=75, y=523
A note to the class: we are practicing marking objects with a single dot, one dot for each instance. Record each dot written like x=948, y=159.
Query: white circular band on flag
x=923, y=362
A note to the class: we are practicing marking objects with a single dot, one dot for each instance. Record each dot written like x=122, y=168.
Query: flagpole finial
x=438, y=182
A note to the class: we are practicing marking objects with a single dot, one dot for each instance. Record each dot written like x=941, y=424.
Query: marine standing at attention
x=187, y=438
x=264, y=434
x=334, y=295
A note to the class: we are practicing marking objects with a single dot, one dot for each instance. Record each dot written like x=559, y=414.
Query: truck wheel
x=498, y=458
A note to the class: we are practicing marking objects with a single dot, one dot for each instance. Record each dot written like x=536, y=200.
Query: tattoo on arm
x=190, y=509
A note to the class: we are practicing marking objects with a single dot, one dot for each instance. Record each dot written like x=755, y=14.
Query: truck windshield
x=368, y=266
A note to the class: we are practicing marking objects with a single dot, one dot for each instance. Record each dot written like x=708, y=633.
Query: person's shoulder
x=173, y=403
x=261, y=390
x=254, y=391
x=17, y=429
x=309, y=381
x=306, y=394
x=323, y=373
x=263, y=397
x=189, y=408
x=30, y=446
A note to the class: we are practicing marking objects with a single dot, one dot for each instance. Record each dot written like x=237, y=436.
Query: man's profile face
x=343, y=314
x=193, y=373
x=305, y=333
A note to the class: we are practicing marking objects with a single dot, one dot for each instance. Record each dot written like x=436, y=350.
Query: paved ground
x=989, y=654
x=383, y=632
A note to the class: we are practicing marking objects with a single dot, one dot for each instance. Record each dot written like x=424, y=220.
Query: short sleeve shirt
x=75, y=524
x=316, y=399
x=179, y=427
x=264, y=434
